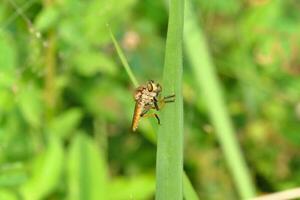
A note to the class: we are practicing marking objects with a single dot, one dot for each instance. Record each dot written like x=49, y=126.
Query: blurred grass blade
x=46, y=173
x=188, y=190
x=137, y=187
x=86, y=170
x=169, y=160
x=123, y=59
x=206, y=78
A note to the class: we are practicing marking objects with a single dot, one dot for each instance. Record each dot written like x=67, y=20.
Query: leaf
x=31, y=105
x=8, y=54
x=47, y=18
x=86, y=170
x=65, y=124
x=46, y=173
x=6, y=104
x=89, y=63
x=8, y=60
x=139, y=187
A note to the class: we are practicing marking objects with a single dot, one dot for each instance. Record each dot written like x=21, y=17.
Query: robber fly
x=147, y=97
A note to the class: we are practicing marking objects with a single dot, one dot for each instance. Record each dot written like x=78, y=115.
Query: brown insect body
x=138, y=109
x=145, y=99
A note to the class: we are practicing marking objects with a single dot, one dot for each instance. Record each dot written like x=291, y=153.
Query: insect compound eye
x=150, y=87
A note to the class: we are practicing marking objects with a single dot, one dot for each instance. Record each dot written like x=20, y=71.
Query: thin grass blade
x=123, y=59
x=188, y=191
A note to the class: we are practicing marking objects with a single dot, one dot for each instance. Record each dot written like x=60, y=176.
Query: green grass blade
x=188, y=190
x=205, y=75
x=169, y=160
x=190, y=193
x=87, y=170
x=46, y=172
x=123, y=59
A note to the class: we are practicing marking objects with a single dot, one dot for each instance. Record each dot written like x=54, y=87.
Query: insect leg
x=163, y=101
x=158, y=120
x=152, y=115
x=155, y=103
x=169, y=99
x=144, y=113
x=170, y=96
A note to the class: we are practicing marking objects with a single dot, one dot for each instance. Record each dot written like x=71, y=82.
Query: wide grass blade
x=169, y=160
x=87, y=170
x=208, y=83
x=189, y=192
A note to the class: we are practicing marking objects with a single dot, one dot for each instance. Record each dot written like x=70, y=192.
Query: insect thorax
x=144, y=97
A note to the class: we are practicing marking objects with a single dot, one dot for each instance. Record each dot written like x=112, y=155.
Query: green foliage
x=8, y=62
x=47, y=19
x=141, y=187
x=31, y=106
x=90, y=63
x=87, y=173
x=47, y=171
x=66, y=102
x=7, y=195
x=207, y=82
x=65, y=124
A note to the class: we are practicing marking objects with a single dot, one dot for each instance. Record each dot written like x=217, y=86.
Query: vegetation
x=66, y=101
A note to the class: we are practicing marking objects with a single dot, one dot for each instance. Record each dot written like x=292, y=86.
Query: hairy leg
x=152, y=115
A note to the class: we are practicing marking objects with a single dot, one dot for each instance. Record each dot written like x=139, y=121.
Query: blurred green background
x=66, y=101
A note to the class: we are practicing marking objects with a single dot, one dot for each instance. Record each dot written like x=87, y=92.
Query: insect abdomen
x=136, y=116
